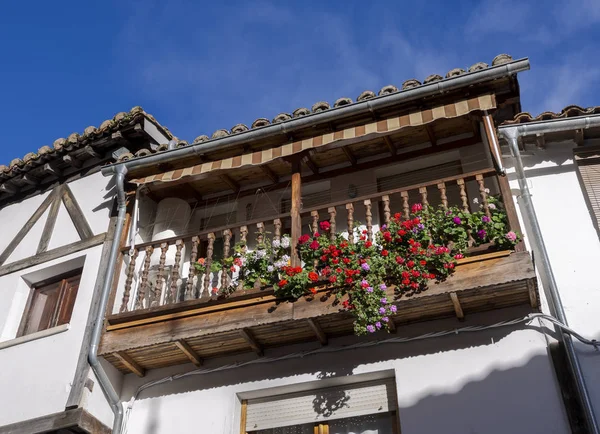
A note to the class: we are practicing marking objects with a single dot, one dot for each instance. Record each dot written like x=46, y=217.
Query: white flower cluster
x=282, y=262
x=261, y=253
x=285, y=242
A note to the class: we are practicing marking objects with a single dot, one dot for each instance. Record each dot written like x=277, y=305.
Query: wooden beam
x=72, y=420
x=52, y=254
x=390, y=145
x=457, y=307
x=92, y=152
x=296, y=229
x=248, y=337
x=51, y=169
x=31, y=180
x=510, y=208
x=540, y=141
x=189, y=352
x=244, y=417
x=79, y=221
x=26, y=228
x=270, y=174
x=8, y=189
x=392, y=325
x=579, y=137
x=431, y=135
x=349, y=155
x=318, y=331
x=73, y=161
x=533, y=301
x=130, y=363
x=230, y=182
x=50, y=220
x=310, y=164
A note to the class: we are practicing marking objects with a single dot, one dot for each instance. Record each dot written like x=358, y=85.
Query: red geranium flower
x=405, y=274
x=282, y=283
x=313, y=276
x=400, y=260
x=344, y=244
x=410, y=264
x=335, y=261
x=405, y=281
x=313, y=290
x=314, y=245
x=368, y=244
x=332, y=279
x=423, y=263
x=416, y=208
x=397, y=216
x=349, y=281
x=346, y=260
x=384, y=252
x=303, y=239
x=338, y=270
x=324, y=225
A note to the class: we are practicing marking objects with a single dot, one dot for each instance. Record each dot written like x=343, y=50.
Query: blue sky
x=200, y=66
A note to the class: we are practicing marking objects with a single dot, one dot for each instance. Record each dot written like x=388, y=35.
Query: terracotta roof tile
x=569, y=111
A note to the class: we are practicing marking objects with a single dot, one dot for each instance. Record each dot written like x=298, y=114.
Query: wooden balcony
x=172, y=316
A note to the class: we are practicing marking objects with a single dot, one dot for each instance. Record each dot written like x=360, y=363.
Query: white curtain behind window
x=371, y=424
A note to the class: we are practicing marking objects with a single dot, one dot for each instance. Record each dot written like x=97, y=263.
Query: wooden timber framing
x=296, y=229
x=131, y=364
x=259, y=321
x=74, y=420
x=50, y=220
x=50, y=255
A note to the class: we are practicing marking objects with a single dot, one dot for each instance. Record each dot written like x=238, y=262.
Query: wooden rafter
x=189, y=352
x=76, y=214
x=306, y=159
x=314, y=325
x=131, y=364
x=251, y=340
x=50, y=220
x=431, y=134
x=26, y=228
x=349, y=155
x=92, y=152
x=51, y=169
x=31, y=180
x=457, y=307
x=270, y=174
x=230, y=182
x=390, y=145
x=73, y=161
x=7, y=188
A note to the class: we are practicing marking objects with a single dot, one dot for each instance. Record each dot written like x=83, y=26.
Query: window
x=50, y=303
x=361, y=408
x=588, y=167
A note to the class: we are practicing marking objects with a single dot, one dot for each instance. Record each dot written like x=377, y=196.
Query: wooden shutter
x=359, y=399
x=588, y=166
x=69, y=293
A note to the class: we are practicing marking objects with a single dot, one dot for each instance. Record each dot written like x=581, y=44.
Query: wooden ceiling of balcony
x=403, y=145
x=192, y=331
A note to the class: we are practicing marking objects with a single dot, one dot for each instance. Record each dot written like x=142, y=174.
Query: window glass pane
x=371, y=424
x=296, y=429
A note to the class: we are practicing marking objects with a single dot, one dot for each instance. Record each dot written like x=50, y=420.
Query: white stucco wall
x=36, y=375
x=572, y=243
x=490, y=382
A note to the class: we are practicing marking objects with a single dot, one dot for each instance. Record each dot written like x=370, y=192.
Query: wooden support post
x=457, y=307
x=244, y=417
x=492, y=139
x=189, y=352
x=431, y=135
x=131, y=364
x=295, y=211
x=314, y=325
x=248, y=337
x=511, y=210
x=533, y=301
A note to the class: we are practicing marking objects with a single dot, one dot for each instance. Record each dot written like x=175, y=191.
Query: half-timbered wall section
x=55, y=218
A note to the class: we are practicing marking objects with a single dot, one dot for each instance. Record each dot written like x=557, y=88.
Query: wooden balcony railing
x=150, y=282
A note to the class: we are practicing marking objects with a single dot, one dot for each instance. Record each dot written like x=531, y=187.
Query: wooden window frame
x=68, y=281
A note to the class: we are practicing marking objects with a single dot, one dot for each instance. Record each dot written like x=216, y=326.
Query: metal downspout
x=547, y=276
x=107, y=387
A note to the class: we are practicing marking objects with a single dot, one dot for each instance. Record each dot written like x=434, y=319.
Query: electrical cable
x=358, y=345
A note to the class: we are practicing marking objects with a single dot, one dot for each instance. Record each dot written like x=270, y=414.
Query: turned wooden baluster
x=350, y=212
x=405, y=206
x=332, y=213
x=387, y=212
x=129, y=280
x=172, y=291
x=244, y=249
x=208, y=263
x=189, y=290
x=160, y=279
x=369, y=219
x=226, y=248
x=442, y=188
x=315, y=221
x=260, y=233
x=483, y=194
x=277, y=231
x=424, y=201
x=139, y=304
x=465, y=204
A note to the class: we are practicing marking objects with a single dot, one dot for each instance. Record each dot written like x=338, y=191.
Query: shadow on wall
x=334, y=364
x=111, y=192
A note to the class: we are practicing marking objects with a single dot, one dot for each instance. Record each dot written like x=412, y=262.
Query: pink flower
x=416, y=208
x=511, y=236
